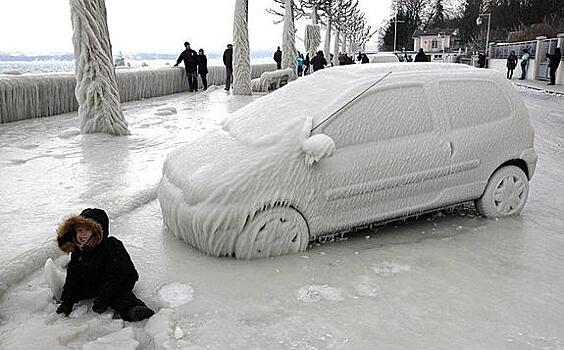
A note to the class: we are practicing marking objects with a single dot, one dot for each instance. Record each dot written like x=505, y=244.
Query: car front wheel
x=505, y=194
x=273, y=232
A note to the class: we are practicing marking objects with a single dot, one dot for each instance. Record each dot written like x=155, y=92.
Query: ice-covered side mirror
x=316, y=147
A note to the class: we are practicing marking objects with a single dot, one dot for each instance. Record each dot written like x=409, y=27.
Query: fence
x=502, y=51
x=43, y=95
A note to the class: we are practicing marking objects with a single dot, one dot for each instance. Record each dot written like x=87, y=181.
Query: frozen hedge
x=43, y=95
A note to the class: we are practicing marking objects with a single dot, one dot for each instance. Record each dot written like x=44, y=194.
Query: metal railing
x=502, y=51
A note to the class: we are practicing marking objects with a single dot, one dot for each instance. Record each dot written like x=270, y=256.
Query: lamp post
x=479, y=23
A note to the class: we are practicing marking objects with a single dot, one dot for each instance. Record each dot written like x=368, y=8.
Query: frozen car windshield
x=284, y=111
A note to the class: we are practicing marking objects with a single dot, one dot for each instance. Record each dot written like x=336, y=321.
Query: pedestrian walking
x=524, y=63
x=191, y=66
x=228, y=62
x=203, y=68
x=278, y=58
x=99, y=268
x=555, y=59
x=307, y=65
x=300, y=64
x=511, y=64
x=421, y=56
x=364, y=59
x=319, y=61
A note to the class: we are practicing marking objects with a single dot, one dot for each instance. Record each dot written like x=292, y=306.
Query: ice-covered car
x=346, y=147
x=383, y=57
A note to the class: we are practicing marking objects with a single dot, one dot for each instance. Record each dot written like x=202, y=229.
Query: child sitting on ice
x=99, y=267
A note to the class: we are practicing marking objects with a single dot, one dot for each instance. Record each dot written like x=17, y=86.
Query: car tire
x=273, y=232
x=506, y=193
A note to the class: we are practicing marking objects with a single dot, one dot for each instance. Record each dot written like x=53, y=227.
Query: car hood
x=218, y=163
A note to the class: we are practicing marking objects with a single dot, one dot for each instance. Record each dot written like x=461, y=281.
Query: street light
x=479, y=23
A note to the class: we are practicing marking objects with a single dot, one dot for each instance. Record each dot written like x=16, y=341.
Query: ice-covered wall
x=43, y=95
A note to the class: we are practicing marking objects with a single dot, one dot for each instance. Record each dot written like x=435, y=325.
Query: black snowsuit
x=190, y=58
x=203, y=69
x=278, y=59
x=101, y=270
x=228, y=62
x=554, y=64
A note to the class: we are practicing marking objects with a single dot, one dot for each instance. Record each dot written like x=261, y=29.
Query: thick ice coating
x=264, y=184
x=96, y=90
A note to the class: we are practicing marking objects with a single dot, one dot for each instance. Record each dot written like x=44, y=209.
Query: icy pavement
x=445, y=281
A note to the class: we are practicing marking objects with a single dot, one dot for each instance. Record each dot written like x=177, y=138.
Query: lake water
x=39, y=67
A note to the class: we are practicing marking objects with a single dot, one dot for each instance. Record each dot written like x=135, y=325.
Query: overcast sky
x=43, y=26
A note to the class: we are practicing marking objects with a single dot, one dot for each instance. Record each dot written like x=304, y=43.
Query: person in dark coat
x=278, y=58
x=203, y=67
x=420, y=57
x=482, y=60
x=228, y=62
x=190, y=59
x=319, y=61
x=307, y=65
x=364, y=59
x=99, y=268
x=511, y=64
x=555, y=59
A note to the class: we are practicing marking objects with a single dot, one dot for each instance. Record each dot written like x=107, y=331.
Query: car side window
x=382, y=115
x=474, y=102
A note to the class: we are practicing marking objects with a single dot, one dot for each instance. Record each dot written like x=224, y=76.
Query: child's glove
x=99, y=306
x=64, y=309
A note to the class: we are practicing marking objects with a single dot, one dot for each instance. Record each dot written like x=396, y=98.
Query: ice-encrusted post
x=289, y=38
x=336, y=48
x=327, y=46
x=241, y=58
x=96, y=85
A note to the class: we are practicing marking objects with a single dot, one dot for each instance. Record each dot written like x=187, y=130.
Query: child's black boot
x=137, y=313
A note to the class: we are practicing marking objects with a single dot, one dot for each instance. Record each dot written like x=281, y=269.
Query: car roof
x=323, y=92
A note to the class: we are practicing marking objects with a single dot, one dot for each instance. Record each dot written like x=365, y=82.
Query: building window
x=434, y=44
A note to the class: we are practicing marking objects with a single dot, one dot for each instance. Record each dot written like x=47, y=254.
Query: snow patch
x=68, y=133
x=166, y=111
x=122, y=340
x=317, y=293
x=387, y=268
x=176, y=294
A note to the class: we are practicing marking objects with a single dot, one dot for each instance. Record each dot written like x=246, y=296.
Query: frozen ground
x=445, y=281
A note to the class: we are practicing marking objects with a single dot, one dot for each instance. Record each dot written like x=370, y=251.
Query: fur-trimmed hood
x=67, y=231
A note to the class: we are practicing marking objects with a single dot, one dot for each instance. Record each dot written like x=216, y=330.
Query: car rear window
x=382, y=115
x=474, y=102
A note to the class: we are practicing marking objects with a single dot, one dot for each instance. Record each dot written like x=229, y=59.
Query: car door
x=390, y=158
x=479, y=130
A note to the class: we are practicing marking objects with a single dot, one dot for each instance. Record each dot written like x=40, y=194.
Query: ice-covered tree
x=96, y=89
x=241, y=58
x=289, y=38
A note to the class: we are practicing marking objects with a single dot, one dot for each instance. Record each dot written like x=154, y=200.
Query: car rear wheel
x=273, y=232
x=505, y=194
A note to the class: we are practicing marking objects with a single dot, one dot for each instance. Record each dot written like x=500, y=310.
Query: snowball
x=176, y=294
